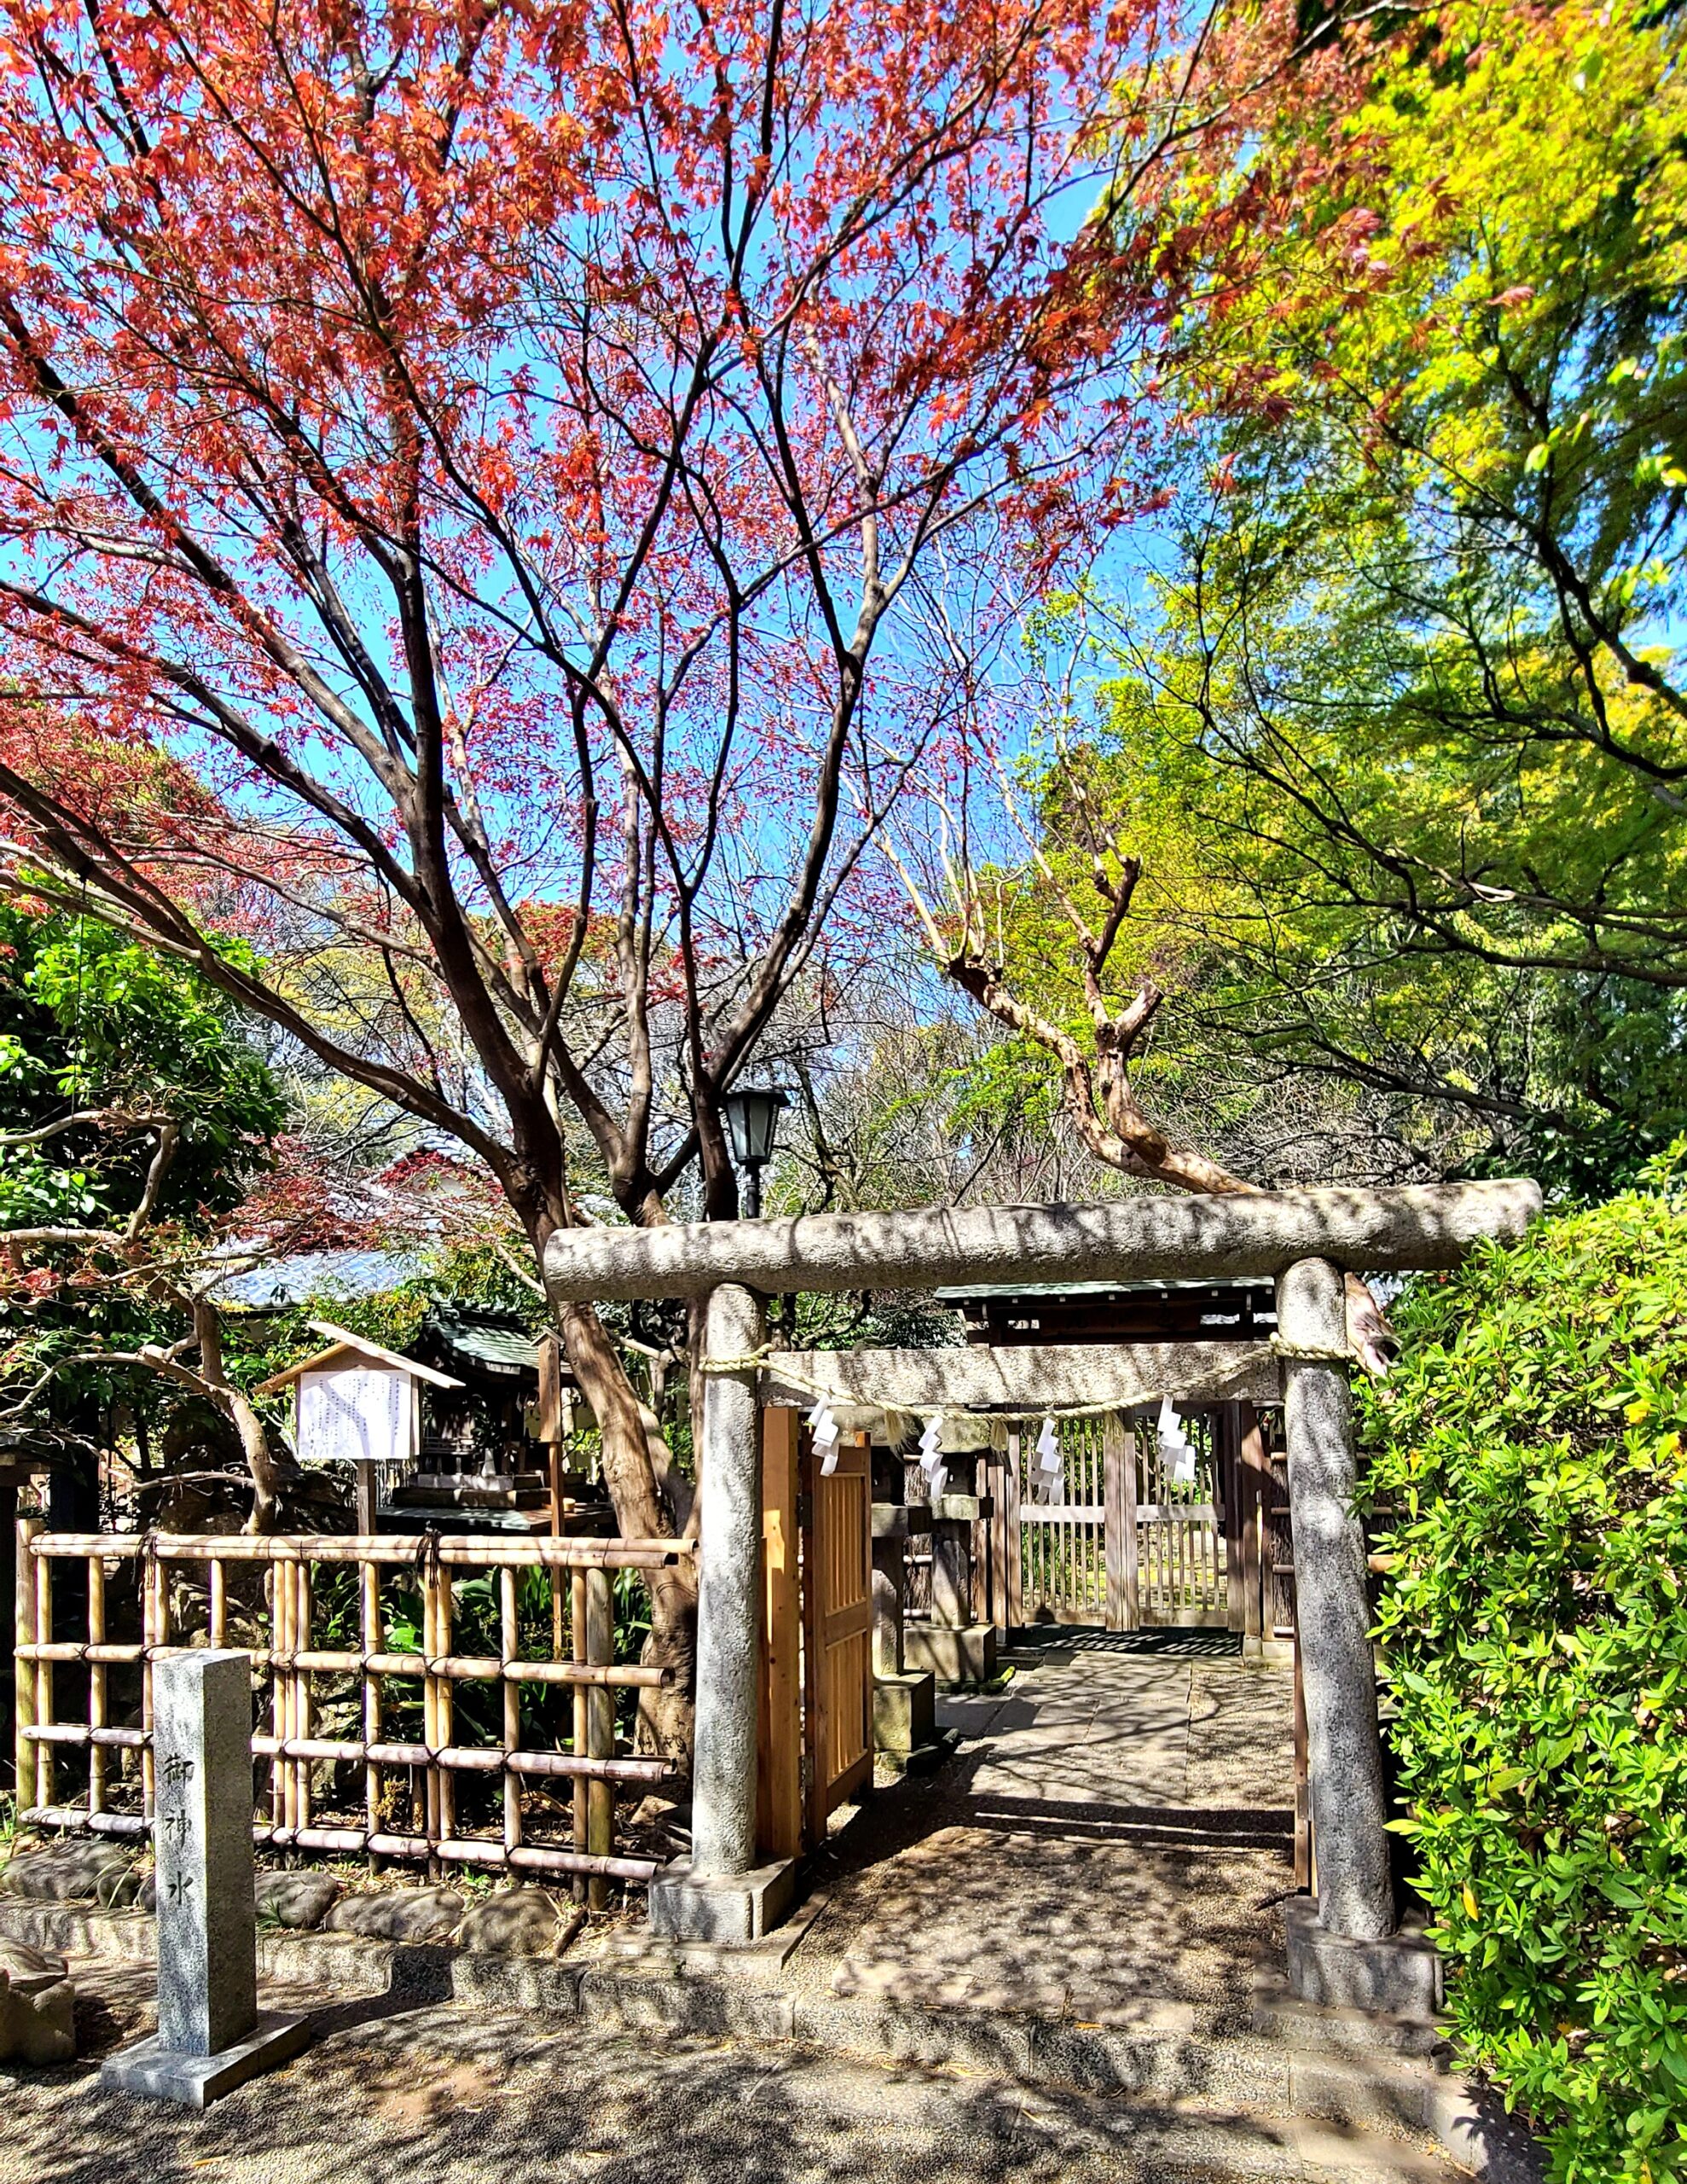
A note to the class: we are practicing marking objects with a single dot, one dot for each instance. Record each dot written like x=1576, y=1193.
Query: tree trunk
x=254, y=1441
x=631, y=1435
x=261, y=1463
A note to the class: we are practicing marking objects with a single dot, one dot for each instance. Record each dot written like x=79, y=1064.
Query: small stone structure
x=904, y=1701
x=37, y=2006
x=952, y=1646
x=211, y=2034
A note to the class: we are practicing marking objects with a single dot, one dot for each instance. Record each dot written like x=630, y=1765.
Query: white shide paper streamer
x=1177, y=1451
x=932, y=1456
x=1049, y=1464
x=823, y=1429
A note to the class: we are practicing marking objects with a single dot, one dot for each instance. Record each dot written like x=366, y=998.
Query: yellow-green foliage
x=1405, y=677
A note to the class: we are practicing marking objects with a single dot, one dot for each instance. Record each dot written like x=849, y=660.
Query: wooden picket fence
x=187, y=1586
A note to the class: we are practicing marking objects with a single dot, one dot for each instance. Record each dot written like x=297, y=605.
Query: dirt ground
x=1117, y=1827
x=1113, y=1831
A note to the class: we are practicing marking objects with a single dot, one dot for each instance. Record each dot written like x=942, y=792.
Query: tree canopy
x=137, y=1114
x=1395, y=725
x=500, y=504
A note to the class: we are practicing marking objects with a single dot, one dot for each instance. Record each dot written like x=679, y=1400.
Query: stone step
x=1157, y=2054
x=1278, y=2014
x=1167, y=2055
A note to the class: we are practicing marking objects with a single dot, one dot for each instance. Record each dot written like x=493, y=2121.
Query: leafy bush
x=1532, y=1442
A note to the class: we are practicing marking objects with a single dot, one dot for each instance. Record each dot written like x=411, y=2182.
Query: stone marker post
x=211, y=2035
x=208, y=1928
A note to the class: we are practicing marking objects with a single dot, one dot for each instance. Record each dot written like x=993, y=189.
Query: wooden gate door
x=1120, y=1544
x=837, y=1530
x=779, y=1801
x=1063, y=1535
x=1182, y=1552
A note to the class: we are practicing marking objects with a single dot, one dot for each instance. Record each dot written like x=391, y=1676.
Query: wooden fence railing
x=337, y=1793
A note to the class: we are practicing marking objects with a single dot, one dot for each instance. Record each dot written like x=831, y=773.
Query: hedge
x=1534, y=1622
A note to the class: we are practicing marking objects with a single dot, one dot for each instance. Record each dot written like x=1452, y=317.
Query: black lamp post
x=752, y=1122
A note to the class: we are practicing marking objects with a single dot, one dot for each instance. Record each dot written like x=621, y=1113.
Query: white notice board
x=358, y=1414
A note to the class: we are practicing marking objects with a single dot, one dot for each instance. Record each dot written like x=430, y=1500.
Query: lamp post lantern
x=752, y=1123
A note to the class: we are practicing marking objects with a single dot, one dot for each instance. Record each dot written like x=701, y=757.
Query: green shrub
x=1535, y=1623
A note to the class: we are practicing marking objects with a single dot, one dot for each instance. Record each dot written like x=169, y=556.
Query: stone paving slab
x=1114, y=1827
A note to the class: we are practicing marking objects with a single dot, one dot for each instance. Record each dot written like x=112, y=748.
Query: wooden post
x=295, y=1606
x=1227, y=1435
x=96, y=1684
x=779, y=1801
x=159, y=1589
x=1014, y=1615
x=600, y=1729
x=435, y=1646
x=556, y=1619
x=8, y=1602
x=984, y=1588
x=445, y=1706
x=998, y=1479
x=549, y=1404
x=29, y=1528
x=1115, y=1494
x=279, y=1593
x=369, y=1574
x=509, y=1647
x=301, y=1687
x=1127, y=1448
x=577, y=1631
x=814, y=1680
x=1255, y=1476
x=43, y=1677
x=364, y=1476
x=286, y=1638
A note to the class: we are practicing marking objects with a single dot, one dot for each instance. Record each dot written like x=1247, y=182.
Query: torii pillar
x=1342, y=1946
x=720, y=1893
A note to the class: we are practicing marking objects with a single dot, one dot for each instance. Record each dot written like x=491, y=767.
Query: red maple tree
x=483, y=488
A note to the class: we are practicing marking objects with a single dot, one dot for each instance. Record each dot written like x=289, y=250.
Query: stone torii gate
x=1304, y=1240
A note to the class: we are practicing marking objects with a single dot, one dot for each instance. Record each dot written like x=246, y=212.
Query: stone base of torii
x=1346, y=1952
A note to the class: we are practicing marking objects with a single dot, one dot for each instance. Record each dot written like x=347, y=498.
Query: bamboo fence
x=291, y=1660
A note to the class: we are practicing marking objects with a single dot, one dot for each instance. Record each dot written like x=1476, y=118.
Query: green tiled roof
x=507, y=1350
